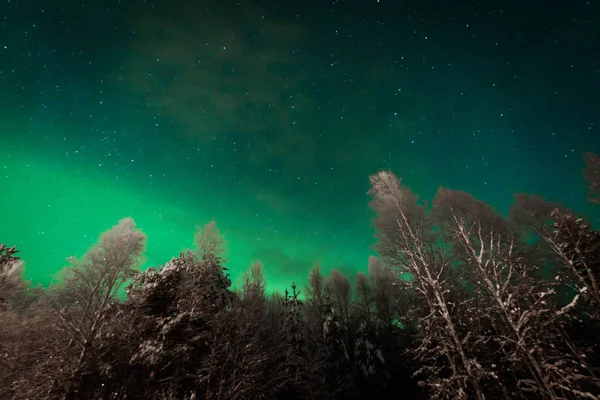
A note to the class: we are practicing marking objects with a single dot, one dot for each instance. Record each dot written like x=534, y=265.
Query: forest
x=460, y=303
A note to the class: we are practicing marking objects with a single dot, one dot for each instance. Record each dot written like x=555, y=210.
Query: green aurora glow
x=268, y=119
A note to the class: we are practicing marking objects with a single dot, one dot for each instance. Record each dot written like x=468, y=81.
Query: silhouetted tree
x=391, y=297
x=365, y=304
x=341, y=294
x=254, y=285
x=318, y=299
x=326, y=339
x=242, y=359
x=28, y=346
x=297, y=366
x=32, y=352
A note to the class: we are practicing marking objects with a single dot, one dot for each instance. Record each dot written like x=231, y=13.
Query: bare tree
x=408, y=242
x=254, y=285
x=579, y=249
x=30, y=348
x=573, y=244
x=517, y=301
x=391, y=296
x=90, y=284
x=318, y=300
x=364, y=297
x=32, y=352
x=341, y=293
x=209, y=242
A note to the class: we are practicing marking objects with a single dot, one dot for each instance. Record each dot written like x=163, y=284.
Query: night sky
x=269, y=116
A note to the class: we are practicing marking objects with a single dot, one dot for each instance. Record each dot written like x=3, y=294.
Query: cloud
x=231, y=75
x=261, y=94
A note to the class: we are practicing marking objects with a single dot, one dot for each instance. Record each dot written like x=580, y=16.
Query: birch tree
x=517, y=301
x=209, y=241
x=571, y=242
x=89, y=285
x=408, y=242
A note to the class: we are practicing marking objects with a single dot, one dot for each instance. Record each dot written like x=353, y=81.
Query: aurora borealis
x=269, y=116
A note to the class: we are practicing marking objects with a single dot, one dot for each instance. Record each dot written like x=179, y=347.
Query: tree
x=32, y=352
x=11, y=276
x=407, y=242
x=341, y=294
x=570, y=241
x=296, y=366
x=396, y=315
x=166, y=336
x=90, y=285
x=324, y=337
x=577, y=245
x=390, y=296
x=517, y=301
x=254, y=285
x=209, y=242
x=318, y=300
x=365, y=299
x=244, y=351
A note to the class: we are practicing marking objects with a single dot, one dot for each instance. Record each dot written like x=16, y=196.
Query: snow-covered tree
x=408, y=242
x=516, y=301
x=89, y=285
x=11, y=276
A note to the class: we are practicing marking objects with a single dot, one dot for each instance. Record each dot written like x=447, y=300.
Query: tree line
x=460, y=303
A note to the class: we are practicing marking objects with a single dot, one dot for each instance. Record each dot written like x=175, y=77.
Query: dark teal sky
x=269, y=116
